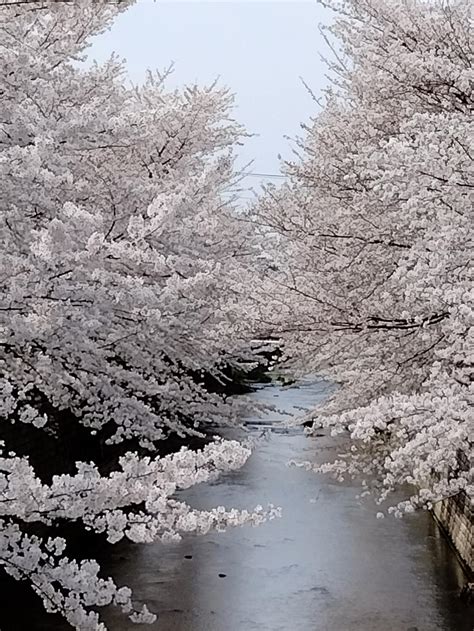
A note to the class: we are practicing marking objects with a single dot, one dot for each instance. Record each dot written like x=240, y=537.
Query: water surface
x=326, y=565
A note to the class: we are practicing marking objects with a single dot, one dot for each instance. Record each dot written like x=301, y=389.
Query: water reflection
x=326, y=565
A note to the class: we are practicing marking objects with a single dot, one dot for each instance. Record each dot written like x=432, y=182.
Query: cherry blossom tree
x=122, y=271
x=372, y=237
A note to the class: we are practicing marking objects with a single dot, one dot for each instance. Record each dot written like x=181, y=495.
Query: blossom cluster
x=138, y=502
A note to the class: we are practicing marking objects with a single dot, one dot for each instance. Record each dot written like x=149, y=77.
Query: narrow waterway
x=326, y=565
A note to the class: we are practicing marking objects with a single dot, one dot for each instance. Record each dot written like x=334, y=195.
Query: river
x=326, y=565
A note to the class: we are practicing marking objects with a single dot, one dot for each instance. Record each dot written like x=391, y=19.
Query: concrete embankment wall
x=456, y=517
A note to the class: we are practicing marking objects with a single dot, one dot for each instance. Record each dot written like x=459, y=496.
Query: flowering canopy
x=121, y=264
x=373, y=241
x=120, y=254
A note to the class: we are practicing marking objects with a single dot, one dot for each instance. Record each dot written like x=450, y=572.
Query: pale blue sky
x=259, y=50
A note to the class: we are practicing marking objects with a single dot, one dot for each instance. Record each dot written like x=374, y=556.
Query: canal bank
x=455, y=516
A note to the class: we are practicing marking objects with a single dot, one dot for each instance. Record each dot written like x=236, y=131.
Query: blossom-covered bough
x=374, y=240
x=135, y=502
x=122, y=270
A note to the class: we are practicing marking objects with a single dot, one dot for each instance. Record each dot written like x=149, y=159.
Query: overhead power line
x=270, y=175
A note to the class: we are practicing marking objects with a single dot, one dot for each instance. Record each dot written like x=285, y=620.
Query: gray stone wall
x=456, y=516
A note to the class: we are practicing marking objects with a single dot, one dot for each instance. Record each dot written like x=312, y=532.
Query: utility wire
x=264, y=175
